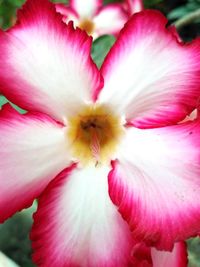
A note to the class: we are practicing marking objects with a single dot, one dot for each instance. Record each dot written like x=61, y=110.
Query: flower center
x=87, y=25
x=94, y=134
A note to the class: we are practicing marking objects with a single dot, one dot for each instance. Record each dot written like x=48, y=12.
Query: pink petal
x=134, y=6
x=174, y=31
x=156, y=183
x=67, y=12
x=141, y=255
x=33, y=151
x=77, y=225
x=110, y=19
x=192, y=116
x=144, y=256
x=86, y=8
x=176, y=258
x=150, y=76
x=47, y=65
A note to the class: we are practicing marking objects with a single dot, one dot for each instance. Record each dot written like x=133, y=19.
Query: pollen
x=94, y=134
x=87, y=25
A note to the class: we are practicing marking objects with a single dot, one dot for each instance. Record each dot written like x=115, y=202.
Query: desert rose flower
x=93, y=17
x=80, y=120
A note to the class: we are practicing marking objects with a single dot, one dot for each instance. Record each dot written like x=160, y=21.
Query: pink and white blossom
x=103, y=151
x=93, y=17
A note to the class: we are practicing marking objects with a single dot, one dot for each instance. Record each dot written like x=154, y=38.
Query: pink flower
x=93, y=17
x=80, y=119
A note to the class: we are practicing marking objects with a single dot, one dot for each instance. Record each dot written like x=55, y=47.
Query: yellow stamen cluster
x=87, y=25
x=94, y=134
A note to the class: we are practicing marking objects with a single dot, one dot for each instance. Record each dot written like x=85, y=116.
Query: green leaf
x=4, y=100
x=14, y=233
x=178, y=12
x=151, y=3
x=101, y=47
x=194, y=252
x=60, y=1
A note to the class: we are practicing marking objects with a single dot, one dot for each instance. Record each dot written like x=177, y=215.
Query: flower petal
x=33, y=151
x=110, y=19
x=157, y=178
x=134, y=6
x=149, y=75
x=67, y=13
x=176, y=258
x=144, y=256
x=141, y=255
x=86, y=8
x=6, y=262
x=47, y=65
x=77, y=225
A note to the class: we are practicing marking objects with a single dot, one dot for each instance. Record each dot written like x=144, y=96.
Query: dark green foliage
x=101, y=47
x=8, y=12
x=14, y=237
x=194, y=252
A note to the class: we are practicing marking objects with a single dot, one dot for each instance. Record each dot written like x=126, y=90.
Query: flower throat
x=94, y=134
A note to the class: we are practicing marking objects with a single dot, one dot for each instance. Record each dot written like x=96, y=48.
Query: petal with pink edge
x=67, y=13
x=47, y=65
x=110, y=20
x=156, y=183
x=134, y=6
x=144, y=256
x=150, y=76
x=176, y=258
x=33, y=151
x=86, y=8
x=77, y=225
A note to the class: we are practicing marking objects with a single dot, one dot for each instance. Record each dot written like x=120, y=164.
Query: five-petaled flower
x=105, y=151
x=93, y=17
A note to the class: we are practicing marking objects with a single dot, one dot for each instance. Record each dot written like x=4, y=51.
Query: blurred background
x=14, y=233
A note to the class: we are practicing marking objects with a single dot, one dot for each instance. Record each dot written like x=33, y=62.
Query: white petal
x=86, y=8
x=77, y=225
x=47, y=64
